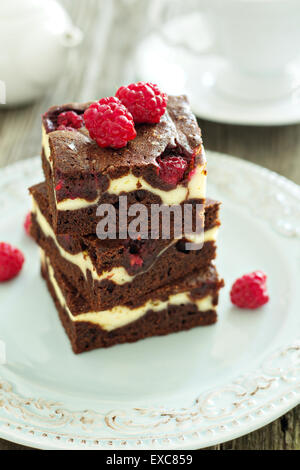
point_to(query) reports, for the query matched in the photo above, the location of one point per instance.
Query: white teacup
(260, 39)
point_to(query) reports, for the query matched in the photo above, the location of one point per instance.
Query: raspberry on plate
(69, 120)
(250, 291)
(11, 261)
(144, 100)
(109, 123)
(27, 223)
(172, 169)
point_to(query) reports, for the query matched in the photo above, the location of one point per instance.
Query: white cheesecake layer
(46, 146)
(121, 315)
(210, 235)
(196, 188)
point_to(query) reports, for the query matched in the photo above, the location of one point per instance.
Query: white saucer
(177, 71)
(184, 391)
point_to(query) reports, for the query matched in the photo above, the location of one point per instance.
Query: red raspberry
(250, 291)
(64, 128)
(27, 223)
(59, 185)
(136, 260)
(144, 100)
(69, 119)
(11, 261)
(109, 123)
(171, 169)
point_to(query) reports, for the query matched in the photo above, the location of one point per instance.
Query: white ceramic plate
(184, 391)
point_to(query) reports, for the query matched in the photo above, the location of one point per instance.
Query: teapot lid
(29, 8)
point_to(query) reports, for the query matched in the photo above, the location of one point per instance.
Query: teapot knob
(72, 37)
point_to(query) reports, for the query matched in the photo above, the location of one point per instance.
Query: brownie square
(114, 272)
(186, 304)
(80, 175)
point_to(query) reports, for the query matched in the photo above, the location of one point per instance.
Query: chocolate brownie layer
(198, 310)
(115, 272)
(81, 176)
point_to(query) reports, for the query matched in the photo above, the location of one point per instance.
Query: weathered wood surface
(276, 148)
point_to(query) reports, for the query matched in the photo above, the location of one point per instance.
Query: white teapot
(35, 41)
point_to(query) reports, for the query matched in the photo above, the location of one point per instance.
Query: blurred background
(238, 61)
(218, 52)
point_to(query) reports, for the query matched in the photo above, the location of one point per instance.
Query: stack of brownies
(111, 291)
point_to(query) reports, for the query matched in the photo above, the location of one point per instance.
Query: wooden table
(276, 148)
